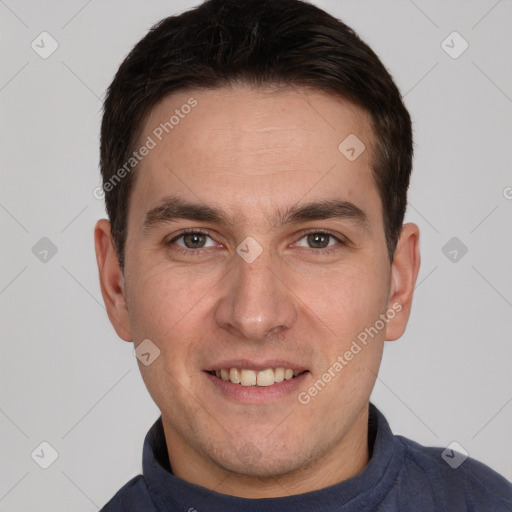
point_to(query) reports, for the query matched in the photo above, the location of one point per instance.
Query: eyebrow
(175, 208)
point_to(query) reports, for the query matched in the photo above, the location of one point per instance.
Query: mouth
(247, 377)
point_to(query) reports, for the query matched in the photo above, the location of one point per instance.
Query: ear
(111, 280)
(404, 271)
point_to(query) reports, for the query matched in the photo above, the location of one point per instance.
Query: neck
(347, 458)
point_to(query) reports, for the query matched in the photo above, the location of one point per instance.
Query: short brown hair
(258, 42)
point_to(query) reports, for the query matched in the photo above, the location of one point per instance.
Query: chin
(261, 470)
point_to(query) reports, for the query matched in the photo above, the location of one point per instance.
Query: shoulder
(471, 485)
(133, 496)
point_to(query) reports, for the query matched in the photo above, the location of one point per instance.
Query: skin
(253, 153)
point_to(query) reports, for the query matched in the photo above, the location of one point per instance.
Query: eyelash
(197, 252)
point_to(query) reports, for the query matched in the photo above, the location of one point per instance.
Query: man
(256, 157)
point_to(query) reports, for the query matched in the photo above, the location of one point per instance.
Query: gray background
(68, 380)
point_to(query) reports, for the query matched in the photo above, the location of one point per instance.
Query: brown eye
(318, 240)
(322, 241)
(194, 240)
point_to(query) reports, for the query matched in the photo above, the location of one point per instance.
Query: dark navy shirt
(401, 475)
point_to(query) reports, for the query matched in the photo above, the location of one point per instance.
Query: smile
(262, 378)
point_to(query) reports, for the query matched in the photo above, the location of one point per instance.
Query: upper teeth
(256, 378)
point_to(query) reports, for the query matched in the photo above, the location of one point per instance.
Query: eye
(318, 240)
(193, 240)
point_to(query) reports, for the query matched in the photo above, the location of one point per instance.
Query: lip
(256, 394)
(257, 366)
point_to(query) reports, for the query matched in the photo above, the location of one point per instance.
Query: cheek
(170, 309)
(162, 297)
(346, 299)
(344, 308)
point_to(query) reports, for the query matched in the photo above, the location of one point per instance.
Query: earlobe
(404, 272)
(111, 280)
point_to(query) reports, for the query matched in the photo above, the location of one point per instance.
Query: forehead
(240, 147)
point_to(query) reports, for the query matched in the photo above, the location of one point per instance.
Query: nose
(256, 303)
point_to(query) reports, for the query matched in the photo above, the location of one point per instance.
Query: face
(256, 252)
